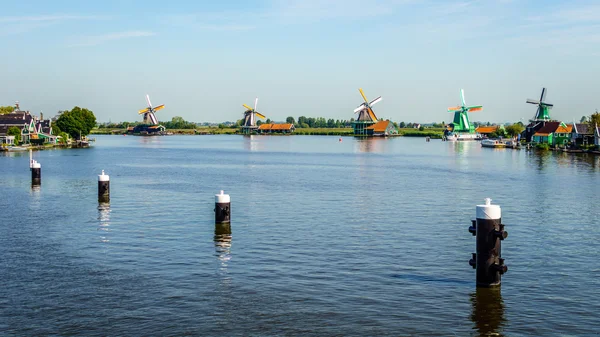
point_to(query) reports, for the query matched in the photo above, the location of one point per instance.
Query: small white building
(7, 140)
(597, 137)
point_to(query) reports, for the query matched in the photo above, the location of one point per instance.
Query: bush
(542, 146)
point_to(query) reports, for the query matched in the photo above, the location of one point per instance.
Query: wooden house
(276, 128)
(545, 135)
(486, 131)
(33, 129)
(382, 128)
(562, 134)
(597, 137)
(582, 134)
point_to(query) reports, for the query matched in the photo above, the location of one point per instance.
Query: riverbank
(407, 132)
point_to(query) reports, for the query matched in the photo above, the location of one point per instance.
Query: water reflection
(223, 254)
(488, 311)
(370, 144)
(251, 143)
(35, 203)
(104, 219)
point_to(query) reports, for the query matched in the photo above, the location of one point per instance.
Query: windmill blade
(360, 108)
(532, 101)
(462, 97)
(255, 103)
(143, 111)
(159, 107)
(475, 108)
(372, 114)
(148, 100)
(375, 101)
(454, 108)
(549, 105)
(247, 107)
(543, 97)
(363, 95)
(260, 115)
(153, 118)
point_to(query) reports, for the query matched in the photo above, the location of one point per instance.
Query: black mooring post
(222, 208)
(489, 233)
(103, 187)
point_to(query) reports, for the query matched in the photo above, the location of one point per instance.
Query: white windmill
(250, 117)
(149, 116)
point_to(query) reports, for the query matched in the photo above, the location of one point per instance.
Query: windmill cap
(103, 177)
(222, 198)
(488, 211)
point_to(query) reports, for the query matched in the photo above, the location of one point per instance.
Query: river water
(358, 237)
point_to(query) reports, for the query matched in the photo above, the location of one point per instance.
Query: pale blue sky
(203, 59)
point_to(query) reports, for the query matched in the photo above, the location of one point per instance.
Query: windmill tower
(461, 123)
(366, 116)
(542, 115)
(249, 124)
(149, 116)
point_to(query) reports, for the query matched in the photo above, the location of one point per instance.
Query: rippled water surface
(359, 237)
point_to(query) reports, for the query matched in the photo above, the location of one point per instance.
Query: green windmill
(542, 114)
(461, 123)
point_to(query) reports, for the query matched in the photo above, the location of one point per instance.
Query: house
(545, 134)
(22, 120)
(276, 128)
(382, 128)
(416, 125)
(562, 134)
(33, 129)
(597, 137)
(582, 134)
(488, 130)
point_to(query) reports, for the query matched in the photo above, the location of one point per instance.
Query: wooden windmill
(366, 116)
(249, 124)
(149, 116)
(542, 113)
(461, 122)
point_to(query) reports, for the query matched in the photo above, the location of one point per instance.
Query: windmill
(149, 116)
(542, 114)
(366, 116)
(365, 110)
(250, 117)
(461, 123)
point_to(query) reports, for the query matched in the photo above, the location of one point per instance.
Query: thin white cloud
(48, 18)
(100, 39)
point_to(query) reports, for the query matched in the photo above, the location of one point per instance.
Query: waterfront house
(582, 134)
(562, 135)
(597, 137)
(22, 120)
(545, 134)
(276, 128)
(486, 131)
(382, 128)
(33, 129)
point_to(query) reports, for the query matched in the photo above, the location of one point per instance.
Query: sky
(204, 59)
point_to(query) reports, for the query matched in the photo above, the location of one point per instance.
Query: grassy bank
(433, 133)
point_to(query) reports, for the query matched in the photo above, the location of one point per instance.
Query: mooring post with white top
(489, 233)
(36, 170)
(222, 208)
(103, 187)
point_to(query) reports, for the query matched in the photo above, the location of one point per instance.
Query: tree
(268, 121)
(77, 122)
(514, 129)
(6, 109)
(64, 137)
(594, 119)
(290, 120)
(14, 131)
(421, 128)
(583, 119)
(402, 125)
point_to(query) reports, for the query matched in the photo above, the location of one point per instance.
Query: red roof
(547, 129)
(285, 126)
(380, 126)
